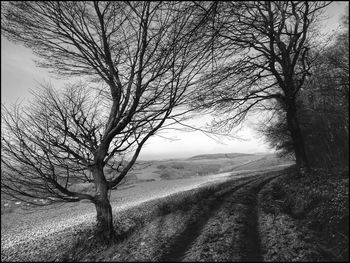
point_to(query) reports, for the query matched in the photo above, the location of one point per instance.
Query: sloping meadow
(140, 231)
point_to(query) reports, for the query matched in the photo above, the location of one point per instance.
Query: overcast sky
(19, 75)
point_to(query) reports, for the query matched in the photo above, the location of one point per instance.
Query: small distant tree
(139, 60)
(266, 61)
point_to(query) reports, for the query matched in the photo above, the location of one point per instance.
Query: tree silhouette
(323, 107)
(264, 65)
(140, 60)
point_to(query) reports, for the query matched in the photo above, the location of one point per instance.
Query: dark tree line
(323, 108)
(266, 63)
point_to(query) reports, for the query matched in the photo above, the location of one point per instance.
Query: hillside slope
(262, 216)
(205, 164)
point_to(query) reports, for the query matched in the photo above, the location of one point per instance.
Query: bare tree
(140, 59)
(266, 60)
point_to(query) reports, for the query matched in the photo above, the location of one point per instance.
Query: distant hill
(218, 155)
(260, 162)
(204, 164)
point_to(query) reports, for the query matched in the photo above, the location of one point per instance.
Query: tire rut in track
(251, 243)
(184, 241)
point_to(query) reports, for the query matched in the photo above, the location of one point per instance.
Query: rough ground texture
(44, 235)
(305, 218)
(218, 223)
(26, 234)
(272, 216)
(163, 230)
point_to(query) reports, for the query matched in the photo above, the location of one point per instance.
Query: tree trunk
(104, 219)
(297, 138)
(103, 207)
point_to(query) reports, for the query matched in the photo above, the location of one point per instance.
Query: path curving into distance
(20, 226)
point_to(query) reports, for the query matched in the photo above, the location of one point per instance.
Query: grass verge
(306, 218)
(230, 234)
(146, 231)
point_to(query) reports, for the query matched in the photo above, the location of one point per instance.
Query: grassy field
(176, 211)
(276, 216)
(263, 216)
(150, 171)
(17, 226)
(76, 241)
(152, 234)
(205, 164)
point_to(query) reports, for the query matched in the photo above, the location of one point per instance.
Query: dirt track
(23, 231)
(229, 232)
(22, 226)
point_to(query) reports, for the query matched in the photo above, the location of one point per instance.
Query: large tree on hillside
(139, 58)
(323, 107)
(266, 62)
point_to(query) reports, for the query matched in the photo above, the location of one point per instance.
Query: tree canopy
(139, 60)
(265, 64)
